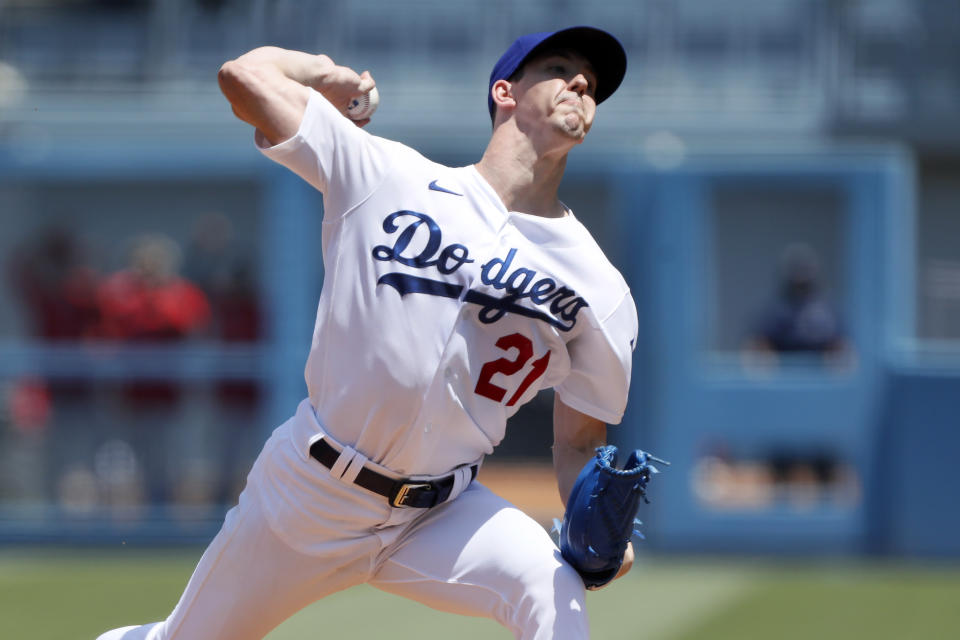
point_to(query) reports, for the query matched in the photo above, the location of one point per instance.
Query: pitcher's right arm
(269, 87)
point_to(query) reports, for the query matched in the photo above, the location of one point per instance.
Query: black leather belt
(404, 492)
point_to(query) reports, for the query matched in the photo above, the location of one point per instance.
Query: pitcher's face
(557, 88)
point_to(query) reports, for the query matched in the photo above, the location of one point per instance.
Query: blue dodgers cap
(604, 52)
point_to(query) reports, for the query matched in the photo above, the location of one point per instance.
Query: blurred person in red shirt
(149, 300)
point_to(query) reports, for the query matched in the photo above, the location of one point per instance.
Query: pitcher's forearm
(575, 439)
(567, 464)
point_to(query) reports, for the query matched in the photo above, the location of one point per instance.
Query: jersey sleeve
(333, 154)
(600, 364)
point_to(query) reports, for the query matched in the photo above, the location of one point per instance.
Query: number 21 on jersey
(510, 367)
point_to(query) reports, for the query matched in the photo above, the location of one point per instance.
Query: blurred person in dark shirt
(800, 320)
(227, 276)
(57, 285)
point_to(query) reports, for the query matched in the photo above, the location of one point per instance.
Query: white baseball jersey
(442, 312)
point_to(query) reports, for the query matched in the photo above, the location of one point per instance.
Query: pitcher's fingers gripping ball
(600, 516)
(362, 107)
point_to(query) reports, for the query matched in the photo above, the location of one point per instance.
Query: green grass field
(76, 594)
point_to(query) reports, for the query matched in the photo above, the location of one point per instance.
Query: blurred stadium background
(778, 180)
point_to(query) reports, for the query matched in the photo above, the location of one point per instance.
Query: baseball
(363, 106)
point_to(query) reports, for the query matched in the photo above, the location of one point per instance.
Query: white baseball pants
(298, 534)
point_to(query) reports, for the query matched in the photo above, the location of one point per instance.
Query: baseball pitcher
(451, 296)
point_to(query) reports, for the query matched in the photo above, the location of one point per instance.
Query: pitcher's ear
(502, 92)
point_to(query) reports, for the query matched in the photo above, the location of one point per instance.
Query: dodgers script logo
(518, 283)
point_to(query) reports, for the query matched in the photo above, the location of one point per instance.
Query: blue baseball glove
(600, 516)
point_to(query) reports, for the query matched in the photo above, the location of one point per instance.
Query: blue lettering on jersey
(517, 283)
(450, 259)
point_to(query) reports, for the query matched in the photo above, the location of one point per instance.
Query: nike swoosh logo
(435, 187)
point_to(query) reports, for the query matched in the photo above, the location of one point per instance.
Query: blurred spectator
(238, 306)
(209, 252)
(149, 300)
(226, 275)
(799, 320)
(57, 284)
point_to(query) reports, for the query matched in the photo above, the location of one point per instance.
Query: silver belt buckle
(399, 500)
